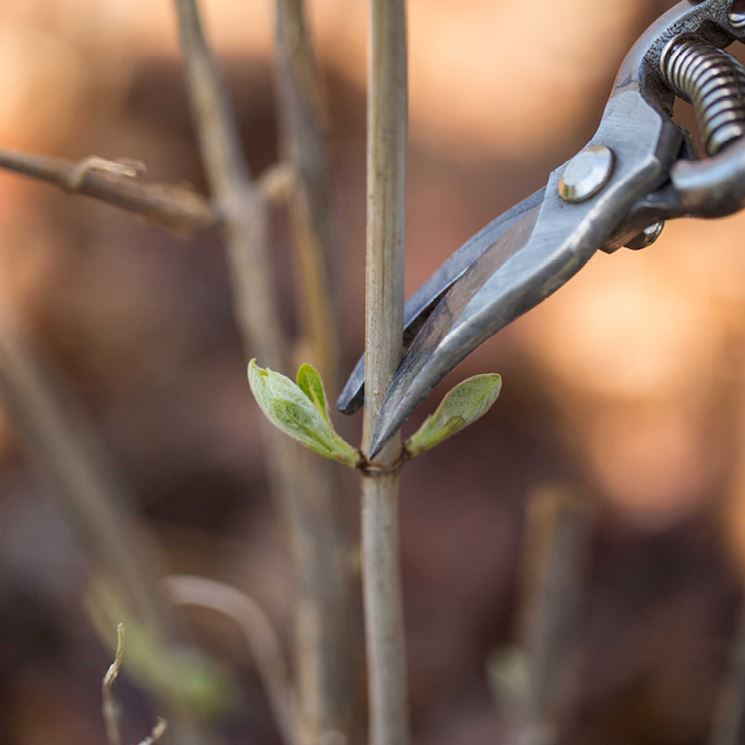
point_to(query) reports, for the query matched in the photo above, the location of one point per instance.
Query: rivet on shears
(586, 174)
(647, 237)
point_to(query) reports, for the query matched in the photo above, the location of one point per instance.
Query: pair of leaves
(301, 411)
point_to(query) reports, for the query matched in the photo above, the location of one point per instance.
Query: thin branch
(110, 708)
(386, 181)
(302, 122)
(729, 722)
(59, 439)
(335, 673)
(161, 725)
(297, 482)
(558, 531)
(87, 489)
(238, 199)
(176, 208)
(277, 183)
(262, 640)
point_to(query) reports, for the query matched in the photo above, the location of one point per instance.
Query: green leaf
(311, 385)
(461, 407)
(299, 414)
(507, 675)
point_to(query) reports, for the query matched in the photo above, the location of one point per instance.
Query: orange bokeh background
(627, 386)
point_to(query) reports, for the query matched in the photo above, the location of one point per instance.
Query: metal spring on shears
(714, 82)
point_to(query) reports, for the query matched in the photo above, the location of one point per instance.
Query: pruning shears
(639, 170)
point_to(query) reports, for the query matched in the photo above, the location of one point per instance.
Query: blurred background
(626, 390)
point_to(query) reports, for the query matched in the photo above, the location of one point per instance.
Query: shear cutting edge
(637, 170)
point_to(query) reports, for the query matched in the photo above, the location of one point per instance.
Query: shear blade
(420, 306)
(488, 296)
(548, 243)
(540, 252)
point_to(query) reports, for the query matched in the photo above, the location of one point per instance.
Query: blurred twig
(729, 722)
(177, 208)
(237, 198)
(386, 202)
(298, 484)
(558, 529)
(110, 707)
(302, 117)
(262, 640)
(58, 438)
(161, 725)
(87, 489)
(334, 673)
(277, 183)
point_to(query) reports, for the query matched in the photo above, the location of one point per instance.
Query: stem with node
(384, 302)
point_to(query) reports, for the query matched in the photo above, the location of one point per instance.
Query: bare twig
(386, 181)
(58, 438)
(110, 707)
(262, 640)
(558, 530)
(172, 207)
(335, 671)
(729, 721)
(298, 484)
(161, 725)
(177, 208)
(237, 198)
(278, 183)
(302, 118)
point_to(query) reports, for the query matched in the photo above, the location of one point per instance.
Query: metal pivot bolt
(586, 174)
(647, 237)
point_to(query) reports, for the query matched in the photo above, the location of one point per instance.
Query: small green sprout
(461, 407)
(310, 383)
(301, 411)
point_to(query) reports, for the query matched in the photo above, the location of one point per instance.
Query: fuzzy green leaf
(461, 407)
(298, 415)
(310, 383)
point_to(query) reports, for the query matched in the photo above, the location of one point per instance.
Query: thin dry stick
(260, 636)
(59, 440)
(238, 199)
(295, 482)
(302, 117)
(334, 673)
(87, 489)
(174, 207)
(110, 707)
(171, 207)
(729, 722)
(386, 181)
(161, 725)
(558, 531)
